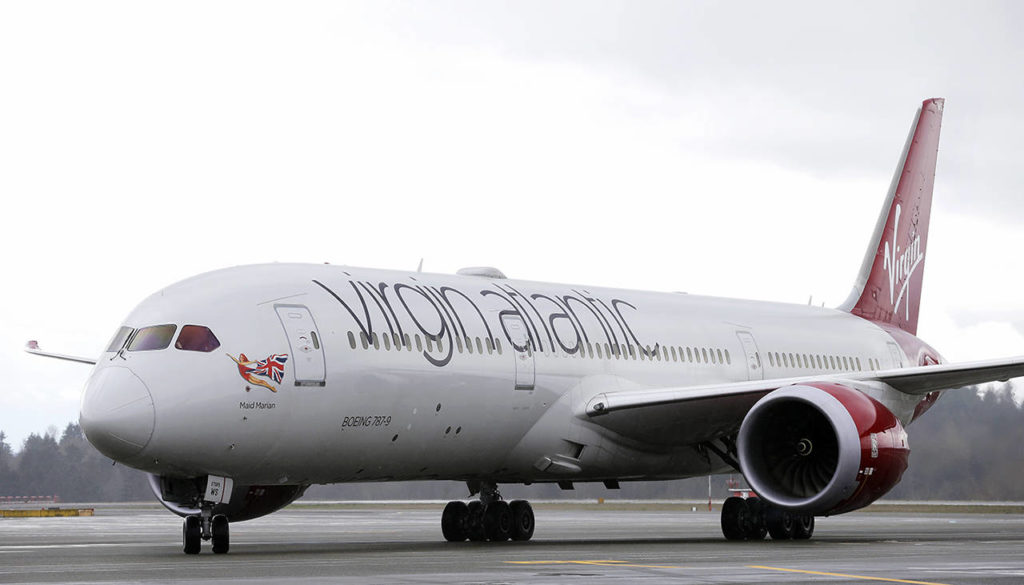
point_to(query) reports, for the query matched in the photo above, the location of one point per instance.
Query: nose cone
(117, 412)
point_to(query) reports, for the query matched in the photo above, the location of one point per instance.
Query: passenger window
(419, 345)
(704, 352)
(352, 339)
(117, 342)
(363, 340)
(689, 355)
(674, 356)
(490, 346)
(771, 360)
(430, 344)
(152, 338)
(497, 345)
(196, 338)
(479, 346)
(728, 359)
(719, 352)
(387, 342)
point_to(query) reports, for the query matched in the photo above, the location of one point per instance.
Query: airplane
(237, 389)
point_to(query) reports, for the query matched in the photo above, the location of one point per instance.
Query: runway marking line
(599, 563)
(865, 577)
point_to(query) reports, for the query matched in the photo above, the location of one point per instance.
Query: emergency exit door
(517, 332)
(755, 371)
(307, 352)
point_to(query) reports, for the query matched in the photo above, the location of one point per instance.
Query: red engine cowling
(821, 448)
(183, 496)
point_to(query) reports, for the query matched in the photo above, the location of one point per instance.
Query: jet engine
(183, 496)
(821, 449)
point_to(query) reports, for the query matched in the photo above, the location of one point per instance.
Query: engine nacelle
(183, 495)
(821, 448)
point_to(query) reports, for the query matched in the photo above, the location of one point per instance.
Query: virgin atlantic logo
(900, 266)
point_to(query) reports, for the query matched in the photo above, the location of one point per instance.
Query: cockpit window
(152, 338)
(196, 338)
(117, 342)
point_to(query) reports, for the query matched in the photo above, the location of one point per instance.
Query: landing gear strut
(488, 519)
(753, 518)
(205, 526)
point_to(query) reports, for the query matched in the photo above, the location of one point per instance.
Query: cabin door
(521, 349)
(307, 351)
(754, 369)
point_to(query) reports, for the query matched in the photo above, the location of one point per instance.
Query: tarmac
(610, 543)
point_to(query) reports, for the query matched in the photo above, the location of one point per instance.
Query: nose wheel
(205, 526)
(488, 519)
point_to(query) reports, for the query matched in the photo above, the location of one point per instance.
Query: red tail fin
(888, 288)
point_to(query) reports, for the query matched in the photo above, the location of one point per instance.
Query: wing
(694, 414)
(32, 347)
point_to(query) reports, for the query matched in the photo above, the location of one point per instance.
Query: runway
(573, 544)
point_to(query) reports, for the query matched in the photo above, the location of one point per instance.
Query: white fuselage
(378, 399)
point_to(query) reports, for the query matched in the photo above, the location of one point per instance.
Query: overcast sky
(727, 148)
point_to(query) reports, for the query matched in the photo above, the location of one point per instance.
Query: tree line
(965, 448)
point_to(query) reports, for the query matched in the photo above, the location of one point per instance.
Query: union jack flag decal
(271, 367)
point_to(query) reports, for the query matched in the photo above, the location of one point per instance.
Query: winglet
(888, 287)
(32, 347)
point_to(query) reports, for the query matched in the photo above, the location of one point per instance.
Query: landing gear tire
(191, 535)
(475, 521)
(453, 521)
(734, 517)
(522, 520)
(754, 525)
(497, 521)
(781, 523)
(803, 527)
(221, 539)
(743, 519)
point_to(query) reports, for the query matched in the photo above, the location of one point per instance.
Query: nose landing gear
(205, 526)
(488, 519)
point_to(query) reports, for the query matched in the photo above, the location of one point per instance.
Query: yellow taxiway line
(865, 577)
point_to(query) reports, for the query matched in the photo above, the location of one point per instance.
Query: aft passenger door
(304, 339)
(525, 370)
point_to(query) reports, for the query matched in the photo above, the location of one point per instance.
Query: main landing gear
(205, 526)
(752, 519)
(488, 519)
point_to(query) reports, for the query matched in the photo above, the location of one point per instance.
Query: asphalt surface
(590, 544)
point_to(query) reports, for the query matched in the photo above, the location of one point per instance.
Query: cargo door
(307, 352)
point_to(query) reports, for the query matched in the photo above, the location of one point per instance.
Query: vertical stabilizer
(888, 287)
